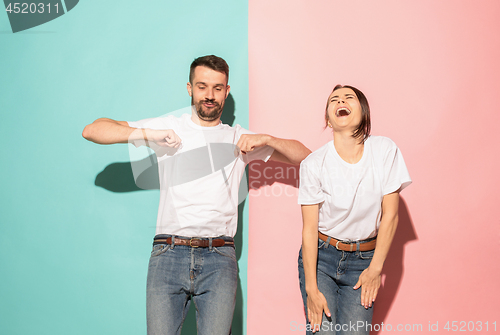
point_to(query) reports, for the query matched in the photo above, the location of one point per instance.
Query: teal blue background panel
(73, 256)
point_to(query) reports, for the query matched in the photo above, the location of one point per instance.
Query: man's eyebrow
(205, 84)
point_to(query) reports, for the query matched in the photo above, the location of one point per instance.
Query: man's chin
(209, 117)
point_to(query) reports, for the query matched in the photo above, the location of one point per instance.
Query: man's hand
(369, 281)
(316, 304)
(164, 138)
(248, 142)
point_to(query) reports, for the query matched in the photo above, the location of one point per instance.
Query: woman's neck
(348, 147)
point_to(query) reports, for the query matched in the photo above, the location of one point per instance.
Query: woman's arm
(316, 301)
(369, 280)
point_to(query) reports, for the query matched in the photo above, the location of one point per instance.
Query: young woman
(349, 192)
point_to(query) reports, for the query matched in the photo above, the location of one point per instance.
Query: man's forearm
(294, 151)
(107, 131)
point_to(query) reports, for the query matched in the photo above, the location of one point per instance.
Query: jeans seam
(160, 252)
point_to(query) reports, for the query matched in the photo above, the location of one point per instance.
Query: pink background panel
(431, 73)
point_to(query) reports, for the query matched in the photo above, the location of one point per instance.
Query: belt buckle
(191, 242)
(337, 246)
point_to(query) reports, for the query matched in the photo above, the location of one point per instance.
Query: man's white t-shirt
(350, 195)
(199, 181)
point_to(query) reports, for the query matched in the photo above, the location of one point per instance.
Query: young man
(201, 162)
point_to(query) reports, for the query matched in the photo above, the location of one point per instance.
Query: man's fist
(164, 138)
(248, 142)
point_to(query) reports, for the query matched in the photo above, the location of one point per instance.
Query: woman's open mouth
(342, 111)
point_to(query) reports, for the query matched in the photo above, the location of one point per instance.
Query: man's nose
(210, 94)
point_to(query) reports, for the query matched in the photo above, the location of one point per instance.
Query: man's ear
(190, 89)
(228, 88)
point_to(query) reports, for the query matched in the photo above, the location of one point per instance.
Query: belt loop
(328, 242)
(172, 241)
(357, 246)
(209, 244)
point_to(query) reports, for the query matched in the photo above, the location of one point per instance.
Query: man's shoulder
(238, 129)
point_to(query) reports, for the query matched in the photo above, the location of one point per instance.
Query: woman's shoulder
(381, 143)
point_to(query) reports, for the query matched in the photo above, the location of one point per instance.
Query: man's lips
(209, 104)
(342, 111)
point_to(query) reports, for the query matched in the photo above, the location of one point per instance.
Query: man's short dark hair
(212, 62)
(363, 130)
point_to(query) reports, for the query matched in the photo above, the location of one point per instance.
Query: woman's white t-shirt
(350, 195)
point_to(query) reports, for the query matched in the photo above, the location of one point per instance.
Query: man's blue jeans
(178, 274)
(337, 273)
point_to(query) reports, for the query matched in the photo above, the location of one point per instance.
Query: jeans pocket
(321, 243)
(159, 249)
(226, 251)
(366, 254)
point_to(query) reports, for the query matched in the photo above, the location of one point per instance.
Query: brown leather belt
(194, 242)
(349, 246)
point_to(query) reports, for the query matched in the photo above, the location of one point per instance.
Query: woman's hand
(316, 304)
(369, 281)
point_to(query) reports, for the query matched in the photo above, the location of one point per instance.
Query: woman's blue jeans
(178, 274)
(338, 272)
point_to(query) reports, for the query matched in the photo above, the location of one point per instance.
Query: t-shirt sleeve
(396, 176)
(261, 153)
(152, 123)
(310, 192)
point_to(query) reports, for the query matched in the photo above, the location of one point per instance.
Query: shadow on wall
(119, 178)
(394, 266)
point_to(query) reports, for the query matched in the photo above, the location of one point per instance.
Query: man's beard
(214, 112)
